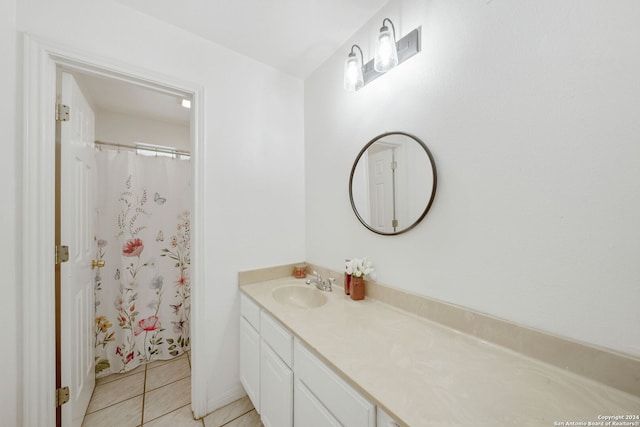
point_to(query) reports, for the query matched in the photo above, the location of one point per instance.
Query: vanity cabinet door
(276, 390)
(250, 361)
(308, 411)
(384, 420)
(344, 403)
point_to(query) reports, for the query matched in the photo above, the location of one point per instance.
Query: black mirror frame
(433, 192)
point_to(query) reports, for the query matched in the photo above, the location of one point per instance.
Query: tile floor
(159, 395)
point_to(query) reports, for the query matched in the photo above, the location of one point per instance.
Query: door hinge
(394, 223)
(62, 396)
(62, 113)
(394, 165)
(62, 254)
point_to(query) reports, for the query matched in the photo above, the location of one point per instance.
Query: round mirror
(392, 183)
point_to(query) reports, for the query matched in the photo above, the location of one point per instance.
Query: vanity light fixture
(389, 54)
(186, 103)
(386, 50)
(353, 78)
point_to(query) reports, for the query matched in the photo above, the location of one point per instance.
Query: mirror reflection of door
(382, 187)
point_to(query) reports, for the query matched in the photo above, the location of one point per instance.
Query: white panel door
(381, 190)
(77, 227)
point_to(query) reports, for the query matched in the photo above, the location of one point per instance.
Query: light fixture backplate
(407, 46)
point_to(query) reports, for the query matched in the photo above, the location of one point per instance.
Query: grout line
(145, 372)
(239, 416)
(172, 382)
(90, 400)
(144, 394)
(168, 362)
(160, 416)
(119, 375)
(114, 403)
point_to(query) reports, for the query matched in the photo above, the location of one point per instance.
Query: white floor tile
(251, 419)
(123, 414)
(157, 363)
(160, 390)
(166, 399)
(116, 391)
(167, 373)
(228, 413)
(114, 377)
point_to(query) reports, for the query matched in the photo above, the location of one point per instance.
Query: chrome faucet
(321, 284)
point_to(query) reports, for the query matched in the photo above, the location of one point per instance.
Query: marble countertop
(425, 374)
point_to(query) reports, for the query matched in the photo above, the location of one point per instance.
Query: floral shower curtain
(143, 292)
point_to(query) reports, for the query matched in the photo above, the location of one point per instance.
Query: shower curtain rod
(147, 147)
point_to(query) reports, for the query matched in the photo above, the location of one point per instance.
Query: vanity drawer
(250, 311)
(278, 338)
(348, 406)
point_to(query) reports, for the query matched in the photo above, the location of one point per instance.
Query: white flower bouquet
(360, 267)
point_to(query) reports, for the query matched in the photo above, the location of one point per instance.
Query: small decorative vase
(347, 284)
(300, 271)
(357, 288)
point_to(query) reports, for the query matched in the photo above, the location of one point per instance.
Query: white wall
(10, 388)
(531, 112)
(253, 148)
(128, 129)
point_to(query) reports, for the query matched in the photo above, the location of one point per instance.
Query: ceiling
(293, 36)
(117, 96)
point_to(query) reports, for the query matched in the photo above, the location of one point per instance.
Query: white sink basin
(299, 296)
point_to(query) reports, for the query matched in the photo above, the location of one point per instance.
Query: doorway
(40, 61)
(118, 308)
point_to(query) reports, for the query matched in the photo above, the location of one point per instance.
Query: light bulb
(353, 79)
(386, 52)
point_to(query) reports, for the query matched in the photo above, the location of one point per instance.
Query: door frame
(40, 58)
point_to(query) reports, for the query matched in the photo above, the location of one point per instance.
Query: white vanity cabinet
(276, 376)
(290, 385)
(250, 349)
(266, 352)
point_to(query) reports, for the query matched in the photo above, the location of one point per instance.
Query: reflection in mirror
(392, 183)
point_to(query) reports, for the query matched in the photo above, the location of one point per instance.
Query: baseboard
(229, 396)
